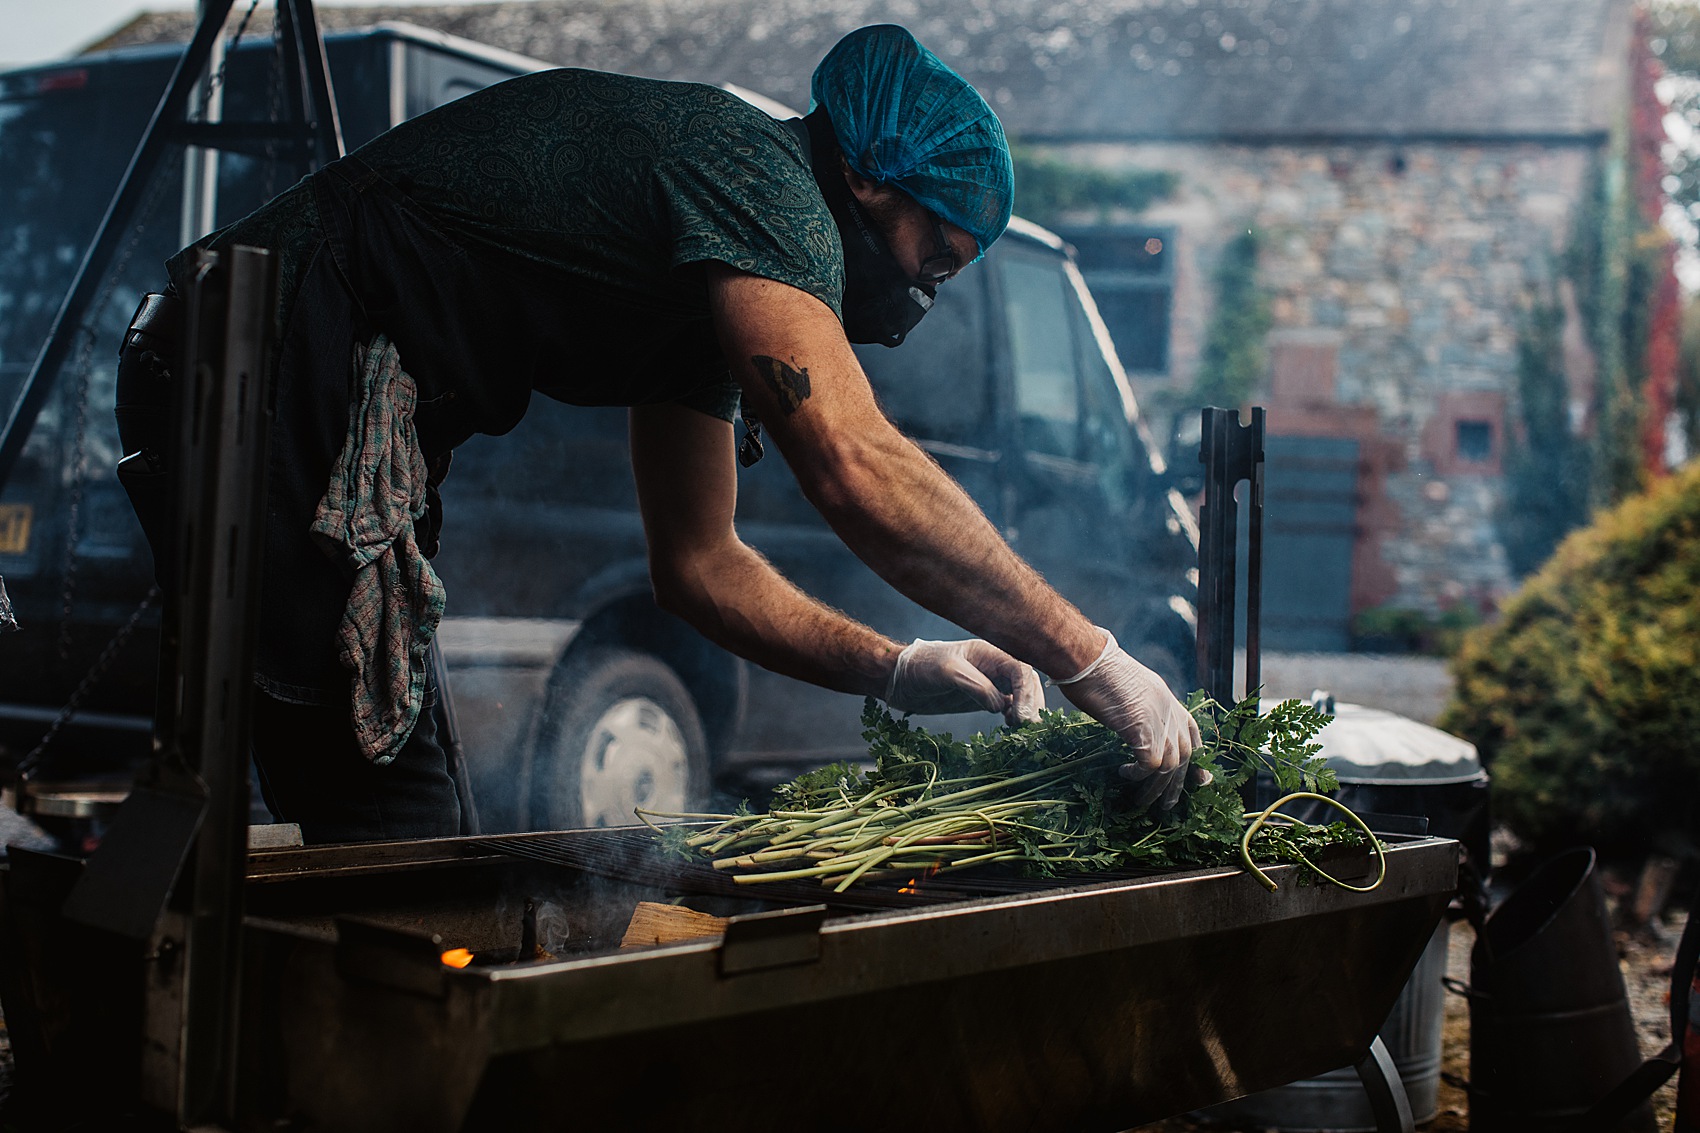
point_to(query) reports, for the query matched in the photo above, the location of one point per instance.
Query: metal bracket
(391, 957)
(1415, 825)
(1230, 452)
(1387, 1098)
(275, 836)
(126, 885)
(778, 939)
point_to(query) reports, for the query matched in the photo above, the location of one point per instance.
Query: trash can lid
(1374, 747)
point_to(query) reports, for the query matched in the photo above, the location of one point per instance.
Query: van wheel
(619, 731)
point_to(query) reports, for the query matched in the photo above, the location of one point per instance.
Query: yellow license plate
(15, 528)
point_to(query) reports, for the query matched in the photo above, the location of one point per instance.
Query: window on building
(1465, 436)
(1474, 443)
(1131, 274)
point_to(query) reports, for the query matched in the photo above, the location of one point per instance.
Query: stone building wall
(1408, 266)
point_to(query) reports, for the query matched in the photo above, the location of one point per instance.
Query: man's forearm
(701, 571)
(736, 599)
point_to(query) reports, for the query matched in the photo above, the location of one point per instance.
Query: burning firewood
(655, 923)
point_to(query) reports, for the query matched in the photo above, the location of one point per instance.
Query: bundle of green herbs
(1042, 797)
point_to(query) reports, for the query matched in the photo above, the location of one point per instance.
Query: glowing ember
(458, 957)
(913, 885)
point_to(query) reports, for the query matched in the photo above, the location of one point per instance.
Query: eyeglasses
(943, 263)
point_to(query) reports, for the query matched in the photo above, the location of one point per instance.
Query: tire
(619, 731)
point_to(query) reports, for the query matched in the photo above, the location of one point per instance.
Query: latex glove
(1124, 695)
(961, 676)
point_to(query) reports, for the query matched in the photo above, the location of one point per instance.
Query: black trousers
(313, 773)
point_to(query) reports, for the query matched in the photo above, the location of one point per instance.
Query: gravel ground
(1647, 960)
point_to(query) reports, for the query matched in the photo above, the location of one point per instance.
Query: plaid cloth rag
(377, 490)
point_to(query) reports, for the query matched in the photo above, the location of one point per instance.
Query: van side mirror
(1185, 478)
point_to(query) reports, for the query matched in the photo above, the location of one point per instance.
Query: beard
(881, 304)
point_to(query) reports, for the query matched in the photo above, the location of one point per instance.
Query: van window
(1047, 384)
(66, 135)
(936, 386)
(438, 77)
(1112, 446)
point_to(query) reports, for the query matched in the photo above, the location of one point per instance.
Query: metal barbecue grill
(176, 975)
(1078, 1007)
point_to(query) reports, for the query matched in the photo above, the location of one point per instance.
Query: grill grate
(631, 856)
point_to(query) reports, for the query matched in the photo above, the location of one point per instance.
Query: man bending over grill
(607, 240)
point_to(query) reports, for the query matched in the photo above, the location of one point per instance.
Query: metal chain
(79, 470)
(84, 371)
(274, 105)
(217, 79)
(28, 765)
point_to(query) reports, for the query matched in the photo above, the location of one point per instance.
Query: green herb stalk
(1043, 797)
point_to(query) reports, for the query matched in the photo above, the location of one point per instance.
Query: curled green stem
(1269, 812)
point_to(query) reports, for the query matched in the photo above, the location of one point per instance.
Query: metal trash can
(1550, 1027)
(1387, 764)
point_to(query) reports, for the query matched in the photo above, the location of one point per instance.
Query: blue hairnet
(903, 117)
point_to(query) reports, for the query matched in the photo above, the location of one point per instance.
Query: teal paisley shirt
(619, 179)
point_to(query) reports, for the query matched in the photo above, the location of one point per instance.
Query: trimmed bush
(1584, 698)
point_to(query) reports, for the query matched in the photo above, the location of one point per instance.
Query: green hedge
(1584, 698)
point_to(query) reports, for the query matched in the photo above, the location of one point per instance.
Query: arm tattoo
(790, 384)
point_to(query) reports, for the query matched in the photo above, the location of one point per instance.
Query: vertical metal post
(1254, 557)
(226, 411)
(1231, 453)
(307, 83)
(1217, 538)
(200, 164)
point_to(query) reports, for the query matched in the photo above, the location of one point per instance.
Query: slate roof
(1116, 69)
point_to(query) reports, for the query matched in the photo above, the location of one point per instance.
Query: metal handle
(1459, 987)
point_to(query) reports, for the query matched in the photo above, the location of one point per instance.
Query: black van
(577, 698)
